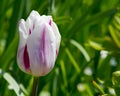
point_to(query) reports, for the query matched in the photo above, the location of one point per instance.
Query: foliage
(89, 53)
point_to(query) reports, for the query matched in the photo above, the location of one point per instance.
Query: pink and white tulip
(38, 44)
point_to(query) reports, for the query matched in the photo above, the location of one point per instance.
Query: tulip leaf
(11, 82)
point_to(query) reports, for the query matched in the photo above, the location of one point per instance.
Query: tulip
(38, 44)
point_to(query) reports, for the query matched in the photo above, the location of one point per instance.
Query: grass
(88, 28)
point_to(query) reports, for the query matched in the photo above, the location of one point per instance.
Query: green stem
(35, 85)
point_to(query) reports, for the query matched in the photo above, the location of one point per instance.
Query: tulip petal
(41, 48)
(22, 42)
(20, 60)
(26, 58)
(57, 36)
(33, 19)
(22, 32)
(46, 18)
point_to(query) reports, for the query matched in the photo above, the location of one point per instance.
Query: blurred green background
(89, 52)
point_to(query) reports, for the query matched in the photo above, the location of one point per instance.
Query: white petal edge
(32, 19)
(23, 33)
(46, 18)
(57, 35)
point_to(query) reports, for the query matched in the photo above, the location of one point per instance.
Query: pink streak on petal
(26, 58)
(33, 26)
(56, 52)
(50, 22)
(42, 47)
(29, 31)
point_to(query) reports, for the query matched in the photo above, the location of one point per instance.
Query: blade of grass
(12, 82)
(16, 14)
(9, 53)
(63, 72)
(114, 35)
(83, 51)
(63, 19)
(75, 64)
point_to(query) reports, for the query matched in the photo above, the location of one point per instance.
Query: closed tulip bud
(38, 44)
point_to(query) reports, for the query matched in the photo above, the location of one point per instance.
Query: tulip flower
(39, 43)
